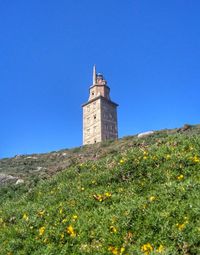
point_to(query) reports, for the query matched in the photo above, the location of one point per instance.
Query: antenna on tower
(94, 74)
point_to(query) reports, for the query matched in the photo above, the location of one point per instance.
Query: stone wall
(100, 90)
(92, 122)
(109, 129)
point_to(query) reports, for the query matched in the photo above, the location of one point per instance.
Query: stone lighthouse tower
(99, 113)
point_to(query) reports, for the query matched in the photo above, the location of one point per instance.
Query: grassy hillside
(132, 196)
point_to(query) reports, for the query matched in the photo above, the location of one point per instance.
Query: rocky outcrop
(19, 181)
(5, 179)
(145, 134)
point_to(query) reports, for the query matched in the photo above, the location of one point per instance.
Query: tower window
(111, 116)
(95, 116)
(95, 141)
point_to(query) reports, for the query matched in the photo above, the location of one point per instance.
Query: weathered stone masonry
(99, 113)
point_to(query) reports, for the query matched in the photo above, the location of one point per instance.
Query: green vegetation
(134, 196)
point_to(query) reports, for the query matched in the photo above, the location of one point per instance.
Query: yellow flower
(113, 249)
(152, 198)
(41, 231)
(70, 231)
(98, 197)
(116, 250)
(25, 217)
(102, 197)
(180, 177)
(82, 188)
(168, 156)
(196, 159)
(113, 229)
(145, 157)
(145, 152)
(182, 226)
(108, 194)
(122, 250)
(61, 210)
(160, 249)
(41, 213)
(147, 248)
(74, 217)
(121, 161)
(64, 220)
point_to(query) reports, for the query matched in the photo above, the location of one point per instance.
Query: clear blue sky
(149, 52)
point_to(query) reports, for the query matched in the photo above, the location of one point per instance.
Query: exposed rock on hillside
(4, 179)
(32, 168)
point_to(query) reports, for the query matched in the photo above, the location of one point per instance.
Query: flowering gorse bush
(141, 200)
